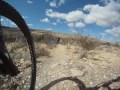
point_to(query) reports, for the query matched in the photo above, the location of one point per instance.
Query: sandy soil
(95, 68)
(69, 68)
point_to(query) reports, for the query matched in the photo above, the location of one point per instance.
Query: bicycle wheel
(8, 11)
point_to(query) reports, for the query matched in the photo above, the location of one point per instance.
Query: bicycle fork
(7, 66)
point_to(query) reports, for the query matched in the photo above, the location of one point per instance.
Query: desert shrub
(87, 43)
(83, 54)
(116, 44)
(42, 52)
(107, 43)
(13, 35)
(15, 46)
(47, 37)
(68, 47)
(35, 37)
(70, 41)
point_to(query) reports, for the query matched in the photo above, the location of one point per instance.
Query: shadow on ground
(81, 85)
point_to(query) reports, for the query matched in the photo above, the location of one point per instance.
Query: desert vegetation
(91, 60)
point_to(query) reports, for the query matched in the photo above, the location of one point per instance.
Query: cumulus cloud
(1, 19)
(59, 21)
(25, 17)
(49, 29)
(53, 3)
(102, 35)
(115, 32)
(74, 31)
(76, 25)
(61, 2)
(105, 1)
(108, 1)
(103, 15)
(54, 23)
(30, 2)
(5, 21)
(74, 16)
(79, 24)
(45, 20)
(13, 24)
(70, 24)
(69, 17)
(56, 3)
(107, 15)
(50, 13)
(30, 25)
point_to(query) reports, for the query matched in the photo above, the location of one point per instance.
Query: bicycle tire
(11, 13)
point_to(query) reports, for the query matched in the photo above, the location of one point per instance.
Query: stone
(103, 88)
(76, 72)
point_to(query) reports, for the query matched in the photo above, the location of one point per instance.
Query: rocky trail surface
(95, 67)
(70, 68)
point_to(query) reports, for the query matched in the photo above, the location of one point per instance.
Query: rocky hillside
(80, 64)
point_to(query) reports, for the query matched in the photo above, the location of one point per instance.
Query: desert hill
(74, 63)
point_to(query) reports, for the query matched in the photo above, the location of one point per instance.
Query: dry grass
(15, 46)
(87, 44)
(116, 44)
(107, 43)
(83, 54)
(42, 52)
(48, 38)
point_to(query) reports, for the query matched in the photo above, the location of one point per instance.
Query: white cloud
(105, 1)
(76, 25)
(50, 13)
(108, 15)
(49, 29)
(2, 20)
(30, 25)
(13, 24)
(53, 3)
(56, 3)
(25, 17)
(102, 34)
(74, 31)
(9, 23)
(61, 2)
(59, 21)
(74, 16)
(70, 24)
(79, 24)
(30, 2)
(103, 15)
(69, 17)
(115, 32)
(108, 1)
(45, 20)
(54, 23)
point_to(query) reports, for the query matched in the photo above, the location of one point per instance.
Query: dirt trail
(57, 67)
(97, 67)
(59, 52)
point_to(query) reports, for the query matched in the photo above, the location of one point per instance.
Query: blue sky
(97, 18)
